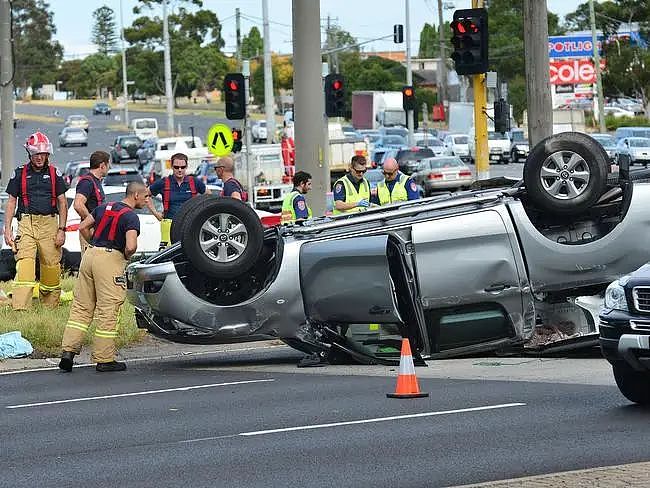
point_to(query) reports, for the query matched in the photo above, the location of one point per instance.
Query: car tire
(215, 219)
(563, 154)
(180, 219)
(634, 385)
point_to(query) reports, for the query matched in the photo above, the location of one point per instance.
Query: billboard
(573, 71)
(580, 46)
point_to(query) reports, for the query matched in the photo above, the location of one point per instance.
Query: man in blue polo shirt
(176, 189)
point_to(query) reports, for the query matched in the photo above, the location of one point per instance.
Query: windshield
(460, 140)
(640, 142)
(145, 124)
(395, 140)
(119, 180)
(605, 140)
(127, 141)
(440, 163)
(496, 136)
(414, 155)
(74, 130)
(518, 136)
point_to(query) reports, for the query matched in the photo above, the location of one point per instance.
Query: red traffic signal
(234, 96)
(233, 85)
(334, 95)
(470, 41)
(337, 84)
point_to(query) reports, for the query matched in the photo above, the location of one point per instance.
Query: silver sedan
(73, 135)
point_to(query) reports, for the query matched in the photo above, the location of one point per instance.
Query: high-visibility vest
(399, 193)
(352, 195)
(288, 211)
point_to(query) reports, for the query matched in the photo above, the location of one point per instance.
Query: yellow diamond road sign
(219, 140)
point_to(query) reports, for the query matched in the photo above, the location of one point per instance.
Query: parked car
(457, 274)
(258, 131)
(82, 168)
(633, 150)
(145, 128)
(146, 152)
(122, 176)
(409, 157)
(395, 131)
(457, 145)
(442, 173)
(125, 147)
(78, 121)
(617, 111)
(622, 132)
(70, 169)
(385, 140)
(519, 147)
(608, 142)
(432, 143)
(632, 105)
(498, 147)
(73, 136)
(101, 108)
(625, 333)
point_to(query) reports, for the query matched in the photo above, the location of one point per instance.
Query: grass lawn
(44, 327)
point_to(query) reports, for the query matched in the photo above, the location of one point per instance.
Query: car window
(395, 140)
(640, 142)
(410, 155)
(76, 130)
(127, 141)
(605, 140)
(496, 136)
(444, 163)
(145, 124)
(460, 140)
(518, 136)
(119, 180)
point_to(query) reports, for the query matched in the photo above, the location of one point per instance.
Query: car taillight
(271, 220)
(435, 176)
(465, 173)
(72, 228)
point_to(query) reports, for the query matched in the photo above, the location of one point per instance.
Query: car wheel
(634, 385)
(223, 237)
(180, 219)
(566, 173)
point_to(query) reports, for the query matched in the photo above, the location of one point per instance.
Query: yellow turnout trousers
(165, 233)
(36, 234)
(99, 292)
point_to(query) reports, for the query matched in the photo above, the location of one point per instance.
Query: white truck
(374, 109)
(145, 128)
(191, 146)
(341, 151)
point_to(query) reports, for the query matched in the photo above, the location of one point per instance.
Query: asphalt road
(213, 421)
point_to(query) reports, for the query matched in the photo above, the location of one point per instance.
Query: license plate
(494, 157)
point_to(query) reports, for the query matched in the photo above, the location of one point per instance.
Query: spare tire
(223, 237)
(566, 173)
(180, 219)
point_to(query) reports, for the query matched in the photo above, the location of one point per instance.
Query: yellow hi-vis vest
(398, 194)
(351, 194)
(288, 212)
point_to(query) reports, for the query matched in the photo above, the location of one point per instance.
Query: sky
(362, 18)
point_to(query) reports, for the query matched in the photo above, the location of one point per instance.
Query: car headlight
(615, 295)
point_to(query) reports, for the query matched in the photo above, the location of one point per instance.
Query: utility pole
(238, 34)
(250, 182)
(540, 107)
(6, 93)
(309, 100)
(480, 119)
(268, 76)
(329, 44)
(599, 76)
(169, 94)
(409, 74)
(125, 86)
(442, 87)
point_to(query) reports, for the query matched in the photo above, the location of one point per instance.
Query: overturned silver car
(459, 273)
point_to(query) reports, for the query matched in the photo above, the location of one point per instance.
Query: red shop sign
(573, 72)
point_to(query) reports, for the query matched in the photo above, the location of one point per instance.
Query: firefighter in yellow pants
(112, 230)
(37, 190)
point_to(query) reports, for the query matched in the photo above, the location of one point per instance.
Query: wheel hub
(565, 175)
(223, 238)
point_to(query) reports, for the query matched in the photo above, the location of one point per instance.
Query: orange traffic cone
(407, 383)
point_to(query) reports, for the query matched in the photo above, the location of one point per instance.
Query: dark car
(101, 108)
(408, 159)
(122, 176)
(625, 333)
(125, 148)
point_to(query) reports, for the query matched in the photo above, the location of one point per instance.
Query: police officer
(38, 189)
(294, 206)
(112, 230)
(352, 191)
(90, 192)
(396, 187)
(232, 188)
(176, 189)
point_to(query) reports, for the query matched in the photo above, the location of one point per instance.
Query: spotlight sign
(574, 72)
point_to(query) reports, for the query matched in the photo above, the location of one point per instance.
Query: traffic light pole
(480, 120)
(248, 137)
(409, 75)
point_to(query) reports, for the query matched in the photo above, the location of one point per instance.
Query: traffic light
(334, 95)
(408, 98)
(470, 41)
(398, 33)
(235, 96)
(237, 140)
(501, 116)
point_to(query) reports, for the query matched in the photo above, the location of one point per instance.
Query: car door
(472, 282)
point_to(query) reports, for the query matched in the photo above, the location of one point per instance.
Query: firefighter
(112, 230)
(352, 191)
(294, 206)
(288, 148)
(90, 192)
(176, 189)
(38, 190)
(396, 187)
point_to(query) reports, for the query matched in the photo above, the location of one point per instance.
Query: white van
(145, 128)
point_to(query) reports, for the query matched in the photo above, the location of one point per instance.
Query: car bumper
(624, 337)
(444, 185)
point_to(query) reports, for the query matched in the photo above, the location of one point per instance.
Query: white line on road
(356, 422)
(137, 393)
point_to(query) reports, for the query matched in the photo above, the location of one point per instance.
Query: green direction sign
(219, 140)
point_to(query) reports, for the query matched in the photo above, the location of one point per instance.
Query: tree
(252, 45)
(627, 71)
(97, 71)
(37, 55)
(428, 42)
(103, 33)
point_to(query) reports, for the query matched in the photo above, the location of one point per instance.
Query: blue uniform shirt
(411, 189)
(39, 190)
(128, 221)
(178, 194)
(230, 186)
(87, 189)
(300, 207)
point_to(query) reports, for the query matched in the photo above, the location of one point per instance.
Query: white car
(258, 131)
(457, 145)
(79, 121)
(617, 112)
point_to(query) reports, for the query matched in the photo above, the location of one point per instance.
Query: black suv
(625, 333)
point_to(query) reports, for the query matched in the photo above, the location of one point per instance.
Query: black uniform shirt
(39, 190)
(87, 189)
(128, 221)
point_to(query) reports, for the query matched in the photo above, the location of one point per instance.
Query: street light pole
(169, 94)
(6, 93)
(409, 74)
(124, 76)
(268, 76)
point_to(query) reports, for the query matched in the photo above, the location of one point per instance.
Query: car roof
(122, 169)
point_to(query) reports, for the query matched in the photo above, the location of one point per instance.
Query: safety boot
(112, 366)
(66, 361)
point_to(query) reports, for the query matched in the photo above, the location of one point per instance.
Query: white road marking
(138, 360)
(356, 422)
(137, 393)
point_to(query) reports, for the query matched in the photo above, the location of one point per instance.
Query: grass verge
(45, 119)
(44, 327)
